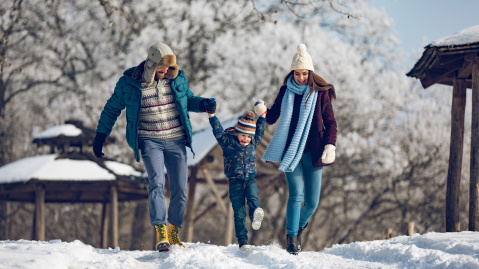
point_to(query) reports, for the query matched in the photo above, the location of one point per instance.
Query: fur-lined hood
(172, 72)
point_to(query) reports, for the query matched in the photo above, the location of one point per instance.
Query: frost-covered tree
(56, 58)
(61, 60)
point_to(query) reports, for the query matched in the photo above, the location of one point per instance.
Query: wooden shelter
(73, 177)
(454, 61)
(71, 141)
(65, 137)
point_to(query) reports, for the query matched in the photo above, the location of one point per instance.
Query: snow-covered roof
(446, 58)
(467, 36)
(64, 129)
(204, 140)
(48, 167)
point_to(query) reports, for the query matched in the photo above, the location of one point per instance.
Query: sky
(421, 22)
(431, 250)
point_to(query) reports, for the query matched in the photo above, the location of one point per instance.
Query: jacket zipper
(137, 150)
(245, 163)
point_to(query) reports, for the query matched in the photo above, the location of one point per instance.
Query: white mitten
(259, 107)
(329, 154)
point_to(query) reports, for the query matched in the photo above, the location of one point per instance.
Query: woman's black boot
(300, 231)
(292, 244)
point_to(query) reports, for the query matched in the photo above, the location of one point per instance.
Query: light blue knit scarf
(292, 156)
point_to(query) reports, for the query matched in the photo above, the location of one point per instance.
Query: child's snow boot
(257, 218)
(173, 235)
(162, 235)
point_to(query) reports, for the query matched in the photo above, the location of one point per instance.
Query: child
(239, 147)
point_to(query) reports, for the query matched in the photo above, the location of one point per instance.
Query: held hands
(208, 105)
(260, 108)
(329, 154)
(98, 144)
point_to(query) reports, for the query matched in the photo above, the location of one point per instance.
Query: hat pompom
(249, 115)
(246, 124)
(302, 48)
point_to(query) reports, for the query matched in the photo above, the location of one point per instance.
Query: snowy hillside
(432, 250)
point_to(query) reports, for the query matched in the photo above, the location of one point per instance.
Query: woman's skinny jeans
(309, 188)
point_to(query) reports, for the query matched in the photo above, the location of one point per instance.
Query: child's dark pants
(240, 190)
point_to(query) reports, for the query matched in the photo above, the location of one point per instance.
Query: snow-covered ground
(431, 250)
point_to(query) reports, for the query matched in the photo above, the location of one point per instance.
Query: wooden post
(474, 173)
(216, 193)
(190, 212)
(229, 225)
(140, 226)
(389, 233)
(4, 220)
(477, 218)
(104, 225)
(455, 154)
(114, 215)
(410, 228)
(39, 213)
(154, 237)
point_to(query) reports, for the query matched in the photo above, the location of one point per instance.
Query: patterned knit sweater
(159, 117)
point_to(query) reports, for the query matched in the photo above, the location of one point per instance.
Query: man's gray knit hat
(160, 54)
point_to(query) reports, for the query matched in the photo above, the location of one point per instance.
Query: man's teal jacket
(128, 95)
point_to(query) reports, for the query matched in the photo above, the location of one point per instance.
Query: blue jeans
(305, 179)
(156, 156)
(240, 190)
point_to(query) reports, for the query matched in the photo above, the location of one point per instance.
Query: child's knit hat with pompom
(246, 124)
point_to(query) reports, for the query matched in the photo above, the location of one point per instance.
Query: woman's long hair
(316, 83)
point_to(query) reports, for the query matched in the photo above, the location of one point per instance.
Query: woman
(304, 140)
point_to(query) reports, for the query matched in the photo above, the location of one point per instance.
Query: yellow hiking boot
(163, 243)
(173, 235)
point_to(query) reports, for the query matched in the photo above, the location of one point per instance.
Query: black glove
(208, 105)
(98, 144)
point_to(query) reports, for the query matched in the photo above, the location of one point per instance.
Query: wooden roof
(74, 191)
(442, 64)
(70, 188)
(73, 188)
(85, 137)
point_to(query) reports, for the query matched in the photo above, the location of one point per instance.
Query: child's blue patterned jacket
(239, 161)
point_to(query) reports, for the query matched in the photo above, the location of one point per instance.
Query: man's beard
(160, 75)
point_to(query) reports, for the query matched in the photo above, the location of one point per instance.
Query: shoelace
(161, 229)
(174, 234)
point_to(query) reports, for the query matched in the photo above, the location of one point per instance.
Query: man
(157, 100)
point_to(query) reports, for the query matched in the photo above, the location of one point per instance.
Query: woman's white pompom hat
(302, 59)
